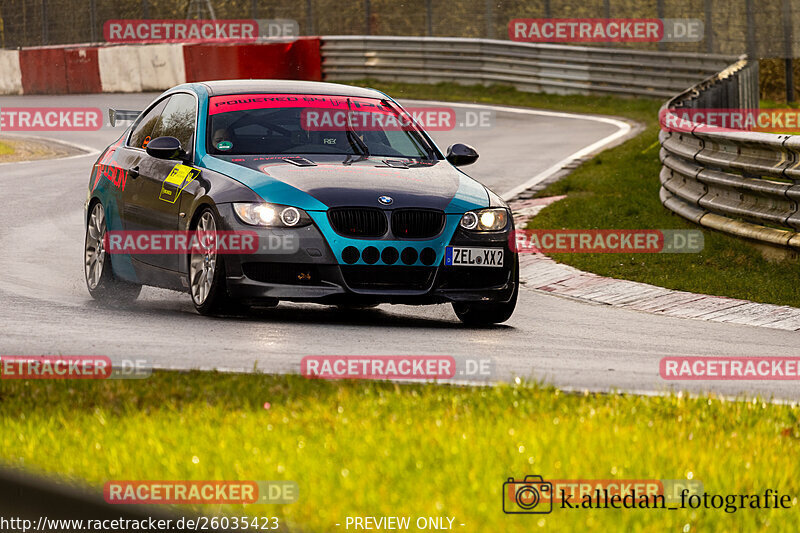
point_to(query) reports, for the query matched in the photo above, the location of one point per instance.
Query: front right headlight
(271, 215)
(492, 219)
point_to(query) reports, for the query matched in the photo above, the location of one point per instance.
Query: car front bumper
(298, 265)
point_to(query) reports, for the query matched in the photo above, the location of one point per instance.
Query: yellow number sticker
(180, 177)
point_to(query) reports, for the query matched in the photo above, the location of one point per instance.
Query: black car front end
(298, 264)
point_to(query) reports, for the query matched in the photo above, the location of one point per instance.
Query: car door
(161, 182)
(134, 209)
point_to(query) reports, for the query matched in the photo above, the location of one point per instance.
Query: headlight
(494, 219)
(272, 215)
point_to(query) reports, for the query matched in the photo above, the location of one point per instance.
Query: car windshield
(262, 124)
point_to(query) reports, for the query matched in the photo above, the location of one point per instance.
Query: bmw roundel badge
(385, 200)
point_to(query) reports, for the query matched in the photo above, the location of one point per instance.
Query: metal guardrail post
(429, 16)
(367, 15)
(489, 10)
(310, 17)
(44, 22)
(788, 49)
(708, 32)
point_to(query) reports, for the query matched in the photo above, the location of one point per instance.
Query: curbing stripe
(540, 272)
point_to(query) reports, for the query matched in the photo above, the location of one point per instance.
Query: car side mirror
(165, 148)
(461, 154)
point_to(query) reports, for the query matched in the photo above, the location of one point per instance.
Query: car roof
(226, 87)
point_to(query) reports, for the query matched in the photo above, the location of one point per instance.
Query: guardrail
(743, 183)
(531, 67)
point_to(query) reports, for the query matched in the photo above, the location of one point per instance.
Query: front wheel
(97, 264)
(487, 313)
(207, 270)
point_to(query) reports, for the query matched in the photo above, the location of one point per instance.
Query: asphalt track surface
(45, 308)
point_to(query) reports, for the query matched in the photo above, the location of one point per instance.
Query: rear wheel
(487, 313)
(207, 270)
(97, 264)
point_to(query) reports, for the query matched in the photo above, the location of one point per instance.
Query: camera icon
(532, 495)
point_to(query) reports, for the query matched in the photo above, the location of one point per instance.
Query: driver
(221, 140)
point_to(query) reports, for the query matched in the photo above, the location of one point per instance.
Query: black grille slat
(417, 223)
(358, 221)
(282, 273)
(374, 277)
(474, 278)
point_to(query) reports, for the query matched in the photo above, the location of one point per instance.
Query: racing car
(348, 200)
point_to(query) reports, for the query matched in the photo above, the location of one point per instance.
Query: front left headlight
(493, 219)
(271, 215)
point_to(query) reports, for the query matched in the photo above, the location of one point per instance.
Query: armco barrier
(533, 67)
(743, 183)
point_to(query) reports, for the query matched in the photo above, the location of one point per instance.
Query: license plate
(485, 257)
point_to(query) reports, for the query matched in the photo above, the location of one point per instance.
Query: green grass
(619, 190)
(373, 449)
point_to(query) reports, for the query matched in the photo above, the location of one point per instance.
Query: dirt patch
(13, 150)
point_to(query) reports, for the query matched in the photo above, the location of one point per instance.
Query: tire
(97, 264)
(488, 313)
(207, 273)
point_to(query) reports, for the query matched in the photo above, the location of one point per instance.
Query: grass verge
(375, 449)
(618, 189)
(5, 149)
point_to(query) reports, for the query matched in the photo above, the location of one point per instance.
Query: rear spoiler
(121, 114)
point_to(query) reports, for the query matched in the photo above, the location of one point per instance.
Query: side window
(178, 120)
(143, 131)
